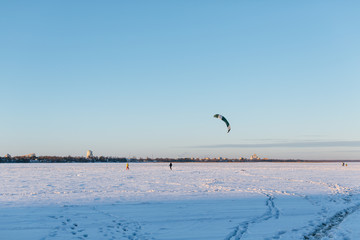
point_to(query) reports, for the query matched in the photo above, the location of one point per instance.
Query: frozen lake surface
(227, 201)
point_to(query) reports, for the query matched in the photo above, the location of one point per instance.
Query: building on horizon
(89, 154)
(254, 157)
(30, 155)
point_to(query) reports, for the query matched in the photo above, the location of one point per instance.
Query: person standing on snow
(170, 165)
(127, 166)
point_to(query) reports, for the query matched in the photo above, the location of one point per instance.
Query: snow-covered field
(194, 201)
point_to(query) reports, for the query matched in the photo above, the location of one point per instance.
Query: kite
(224, 119)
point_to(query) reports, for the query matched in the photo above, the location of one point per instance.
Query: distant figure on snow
(170, 165)
(127, 166)
(343, 164)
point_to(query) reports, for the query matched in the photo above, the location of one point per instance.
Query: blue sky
(144, 78)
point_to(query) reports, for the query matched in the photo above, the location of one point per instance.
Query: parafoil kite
(224, 119)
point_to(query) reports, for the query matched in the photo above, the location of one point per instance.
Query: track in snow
(272, 212)
(74, 223)
(324, 228)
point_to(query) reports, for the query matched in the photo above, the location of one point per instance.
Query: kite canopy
(224, 119)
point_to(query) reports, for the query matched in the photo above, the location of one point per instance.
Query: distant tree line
(71, 159)
(57, 159)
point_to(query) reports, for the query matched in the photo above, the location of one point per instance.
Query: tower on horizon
(89, 154)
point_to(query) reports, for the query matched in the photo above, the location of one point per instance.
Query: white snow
(194, 201)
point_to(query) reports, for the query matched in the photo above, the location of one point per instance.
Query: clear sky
(144, 78)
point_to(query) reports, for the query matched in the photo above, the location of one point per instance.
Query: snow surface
(194, 201)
